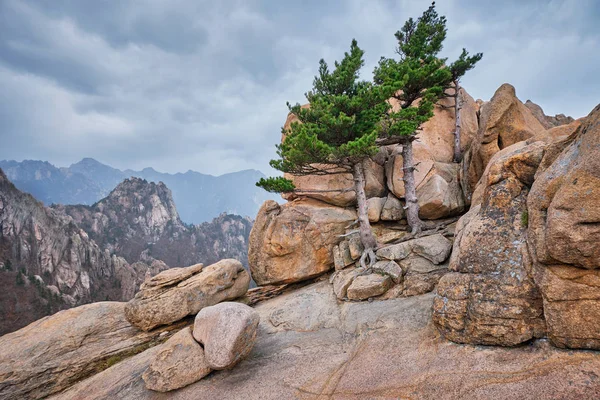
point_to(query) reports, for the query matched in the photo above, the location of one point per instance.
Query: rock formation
(309, 345)
(179, 292)
(53, 263)
(564, 236)
(138, 220)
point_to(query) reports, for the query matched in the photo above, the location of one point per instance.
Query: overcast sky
(202, 85)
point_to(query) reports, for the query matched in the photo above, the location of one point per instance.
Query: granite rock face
(564, 236)
(503, 121)
(489, 297)
(177, 293)
(179, 362)
(54, 352)
(295, 241)
(310, 345)
(227, 331)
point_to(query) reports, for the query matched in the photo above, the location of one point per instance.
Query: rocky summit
(498, 297)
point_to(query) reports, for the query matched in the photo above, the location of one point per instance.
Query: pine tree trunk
(457, 108)
(410, 189)
(366, 235)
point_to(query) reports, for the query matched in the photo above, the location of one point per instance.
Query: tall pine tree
(418, 78)
(335, 134)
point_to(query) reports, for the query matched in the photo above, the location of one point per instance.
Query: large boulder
(227, 331)
(564, 237)
(54, 352)
(504, 121)
(179, 362)
(294, 242)
(489, 297)
(177, 293)
(440, 194)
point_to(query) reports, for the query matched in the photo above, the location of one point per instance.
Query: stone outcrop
(503, 121)
(71, 268)
(227, 331)
(294, 241)
(564, 236)
(138, 221)
(489, 297)
(179, 362)
(54, 352)
(548, 122)
(177, 293)
(310, 345)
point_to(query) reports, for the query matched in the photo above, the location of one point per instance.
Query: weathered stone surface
(294, 242)
(179, 294)
(366, 286)
(374, 207)
(564, 236)
(436, 248)
(490, 298)
(420, 265)
(342, 280)
(394, 172)
(547, 121)
(504, 121)
(392, 210)
(228, 333)
(310, 346)
(341, 255)
(389, 268)
(179, 362)
(54, 352)
(440, 194)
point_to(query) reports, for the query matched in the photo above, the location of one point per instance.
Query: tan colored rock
(342, 280)
(341, 255)
(380, 350)
(547, 121)
(54, 352)
(374, 207)
(179, 362)
(490, 298)
(392, 210)
(389, 268)
(422, 154)
(419, 265)
(563, 236)
(440, 194)
(504, 121)
(228, 333)
(366, 286)
(436, 248)
(295, 241)
(171, 301)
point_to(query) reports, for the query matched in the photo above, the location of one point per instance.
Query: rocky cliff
(138, 220)
(88, 181)
(60, 257)
(49, 263)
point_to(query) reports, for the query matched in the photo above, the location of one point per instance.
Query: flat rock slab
(54, 352)
(310, 346)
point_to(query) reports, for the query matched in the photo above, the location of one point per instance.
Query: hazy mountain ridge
(199, 197)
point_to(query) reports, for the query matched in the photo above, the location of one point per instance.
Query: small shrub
(8, 265)
(20, 281)
(525, 218)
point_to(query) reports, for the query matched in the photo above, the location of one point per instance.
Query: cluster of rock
(54, 352)
(408, 268)
(526, 259)
(221, 337)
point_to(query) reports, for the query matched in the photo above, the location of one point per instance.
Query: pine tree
(336, 133)
(458, 69)
(418, 80)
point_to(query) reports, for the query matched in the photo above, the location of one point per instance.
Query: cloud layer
(202, 85)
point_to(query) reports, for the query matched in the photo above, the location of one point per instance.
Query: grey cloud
(202, 85)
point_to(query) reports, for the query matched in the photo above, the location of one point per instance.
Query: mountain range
(199, 197)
